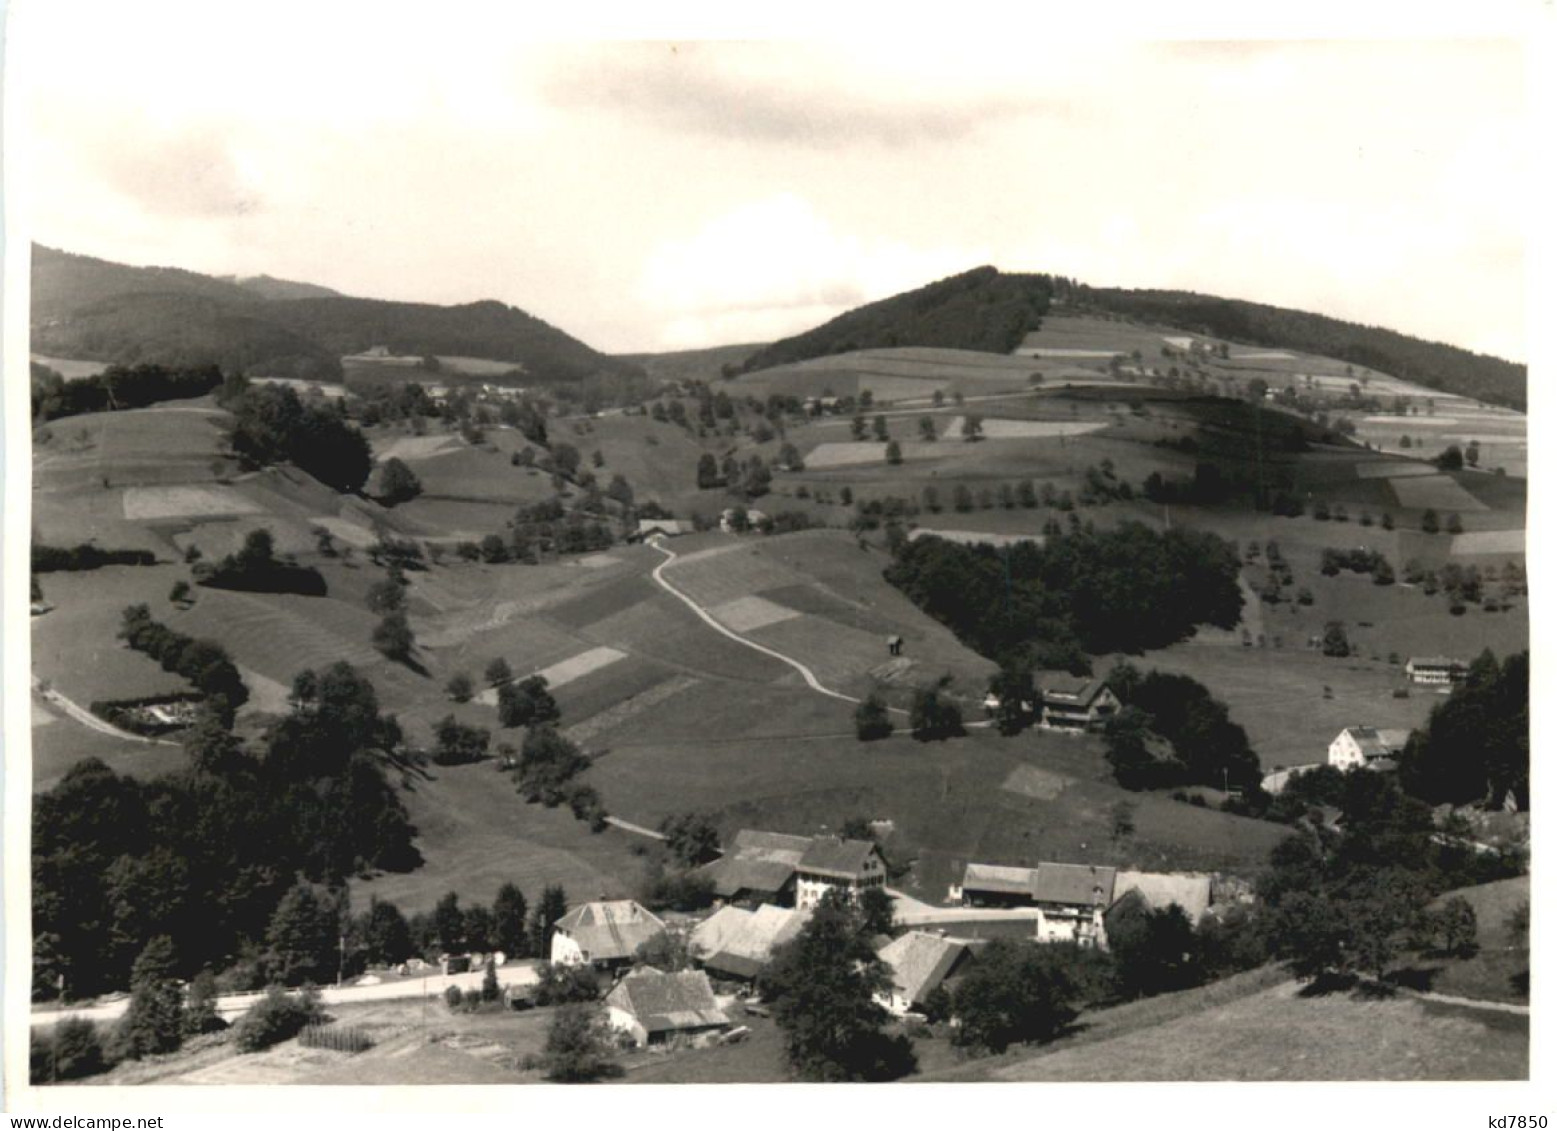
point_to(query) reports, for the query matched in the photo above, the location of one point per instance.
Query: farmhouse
(758, 867)
(652, 1007)
(735, 944)
(605, 933)
(832, 862)
(1069, 898)
(920, 962)
(1367, 746)
(1074, 703)
(1441, 671)
(763, 867)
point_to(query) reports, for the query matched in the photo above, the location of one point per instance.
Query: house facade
(1367, 746)
(605, 934)
(833, 862)
(1069, 899)
(654, 1008)
(1436, 671)
(1074, 704)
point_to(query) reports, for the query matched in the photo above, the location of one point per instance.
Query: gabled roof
(1072, 884)
(740, 942)
(664, 1003)
(920, 962)
(735, 874)
(610, 929)
(834, 856)
(1377, 743)
(1161, 889)
(769, 846)
(1064, 689)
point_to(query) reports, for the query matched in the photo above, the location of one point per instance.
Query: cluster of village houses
(767, 887)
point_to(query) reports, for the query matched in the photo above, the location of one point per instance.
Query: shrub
(275, 1018)
(73, 1050)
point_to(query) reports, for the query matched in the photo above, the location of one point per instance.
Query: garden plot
(1039, 784)
(1027, 429)
(746, 613)
(152, 503)
(1489, 542)
(1263, 355)
(1400, 470)
(1036, 351)
(1437, 491)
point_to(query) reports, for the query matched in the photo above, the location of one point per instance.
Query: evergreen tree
(302, 940)
(397, 483)
(154, 1021)
(553, 905)
(509, 912)
(386, 934)
(449, 923)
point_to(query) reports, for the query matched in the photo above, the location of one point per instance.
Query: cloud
(780, 93)
(773, 267)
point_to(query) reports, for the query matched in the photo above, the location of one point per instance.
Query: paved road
(233, 1005)
(88, 719)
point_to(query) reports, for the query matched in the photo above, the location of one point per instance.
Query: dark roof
(772, 846)
(1064, 689)
(666, 1002)
(734, 874)
(1071, 884)
(834, 856)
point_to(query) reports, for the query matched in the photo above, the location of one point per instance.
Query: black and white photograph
(994, 560)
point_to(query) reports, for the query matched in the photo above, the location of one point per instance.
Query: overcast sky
(647, 196)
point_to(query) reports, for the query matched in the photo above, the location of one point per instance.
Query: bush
(453, 998)
(275, 1018)
(72, 1050)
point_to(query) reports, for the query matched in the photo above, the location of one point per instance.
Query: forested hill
(96, 310)
(1434, 364)
(981, 309)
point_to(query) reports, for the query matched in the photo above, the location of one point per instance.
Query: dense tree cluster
(1204, 745)
(1126, 589)
(117, 387)
(272, 424)
(526, 702)
(255, 568)
(49, 559)
(397, 483)
(1476, 744)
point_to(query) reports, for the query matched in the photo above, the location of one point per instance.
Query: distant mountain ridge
(983, 309)
(102, 311)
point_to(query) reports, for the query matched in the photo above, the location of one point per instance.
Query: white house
(605, 933)
(1367, 746)
(1440, 671)
(653, 1007)
(833, 862)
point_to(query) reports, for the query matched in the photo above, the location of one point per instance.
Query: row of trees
(204, 663)
(117, 387)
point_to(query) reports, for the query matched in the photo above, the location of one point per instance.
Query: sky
(668, 194)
